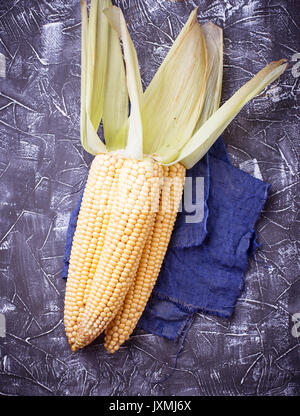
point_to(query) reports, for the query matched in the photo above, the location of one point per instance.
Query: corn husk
(134, 146)
(116, 106)
(92, 89)
(209, 132)
(177, 118)
(174, 98)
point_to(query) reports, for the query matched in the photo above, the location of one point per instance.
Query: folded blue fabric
(205, 263)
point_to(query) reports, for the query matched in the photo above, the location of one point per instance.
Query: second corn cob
(153, 254)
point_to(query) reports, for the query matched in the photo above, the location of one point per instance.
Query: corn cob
(135, 192)
(128, 212)
(154, 251)
(83, 247)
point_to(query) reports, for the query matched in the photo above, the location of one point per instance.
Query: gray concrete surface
(42, 171)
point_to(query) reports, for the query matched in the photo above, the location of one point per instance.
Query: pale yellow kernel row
(83, 247)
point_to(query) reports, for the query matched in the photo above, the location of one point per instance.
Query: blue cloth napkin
(206, 261)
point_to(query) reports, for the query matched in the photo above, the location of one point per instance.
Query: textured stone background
(42, 171)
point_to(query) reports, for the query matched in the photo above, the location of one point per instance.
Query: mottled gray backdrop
(42, 171)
